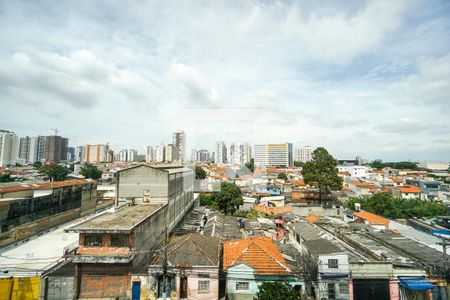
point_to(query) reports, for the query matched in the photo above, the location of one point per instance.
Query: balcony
(107, 255)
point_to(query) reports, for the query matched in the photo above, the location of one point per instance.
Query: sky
(368, 78)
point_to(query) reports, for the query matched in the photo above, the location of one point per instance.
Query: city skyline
(361, 78)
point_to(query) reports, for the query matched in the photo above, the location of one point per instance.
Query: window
(119, 240)
(343, 288)
(203, 286)
(331, 291)
(333, 263)
(93, 240)
(242, 286)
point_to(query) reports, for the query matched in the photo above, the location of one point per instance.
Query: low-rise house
(192, 268)
(409, 191)
(371, 219)
(251, 261)
(360, 188)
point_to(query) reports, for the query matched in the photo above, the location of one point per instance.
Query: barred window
(343, 288)
(333, 263)
(242, 286)
(119, 240)
(203, 286)
(93, 240)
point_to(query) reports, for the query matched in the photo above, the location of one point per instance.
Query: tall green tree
(54, 172)
(251, 165)
(321, 172)
(299, 163)
(199, 173)
(282, 176)
(90, 171)
(6, 177)
(228, 198)
(277, 291)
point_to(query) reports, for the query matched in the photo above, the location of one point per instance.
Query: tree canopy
(386, 205)
(6, 177)
(228, 198)
(299, 163)
(54, 172)
(321, 172)
(251, 165)
(277, 291)
(90, 171)
(282, 176)
(199, 173)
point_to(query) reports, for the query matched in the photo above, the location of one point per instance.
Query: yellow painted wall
(22, 288)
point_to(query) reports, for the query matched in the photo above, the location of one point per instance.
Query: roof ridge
(201, 250)
(278, 262)
(180, 244)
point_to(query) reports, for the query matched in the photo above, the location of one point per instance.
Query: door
(136, 290)
(376, 289)
(183, 287)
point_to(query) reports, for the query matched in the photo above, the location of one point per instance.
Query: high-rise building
(306, 154)
(149, 154)
(70, 154)
(92, 153)
(239, 153)
(220, 153)
(37, 149)
(109, 155)
(128, 155)
(179, 142)
(170, 153)
(24, 149)
(56, 148)
(193, 155)
(274, 155)
(160, 153)
(203, 155)
(9, 148)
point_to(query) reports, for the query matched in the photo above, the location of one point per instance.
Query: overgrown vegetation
(384, 204)
(282, 176)
(54, 172)
(396, 165)
(321, 172)
(227, 200)
(199, 173)
(277, 291)
(251, 165)
(252, 214)
(299, 163)
(90, 171)
(6, 177)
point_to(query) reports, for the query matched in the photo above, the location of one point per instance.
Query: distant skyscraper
(160, 153)
(274, 155)
(149, 154)
(193, 155)
(70, 154)
(170, 153)
(24, 149)
(9, 148)
(239, 153)
(179, 142)
(221, 153)
(203, 155)
(306, 154)
(56, 148)
(128, 155)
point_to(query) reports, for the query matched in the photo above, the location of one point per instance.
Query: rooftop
(409, 189)
(371, 218)
(124, 219)
(261, 253)
(43, 186)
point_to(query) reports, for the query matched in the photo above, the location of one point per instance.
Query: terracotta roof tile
(409, 189)
(258, 252)
(312, 218)
(371, 218)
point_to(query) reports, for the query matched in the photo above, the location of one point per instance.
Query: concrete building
(435, 165)
(33, 208)
(220, 157)
(70, 154)
(56, 148)
(9, 148)
(239, 153)
(37, 149)
(273, 155)
(24, 149)
(179, 142)
(171, 153)
(112, 256)
(355, 171)
(305, 154)
(128, 155)
(160, 153)
(149, 157)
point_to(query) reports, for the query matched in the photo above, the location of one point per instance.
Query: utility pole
(165, 265)
(444, 244)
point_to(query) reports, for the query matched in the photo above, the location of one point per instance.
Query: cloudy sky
(368, 78)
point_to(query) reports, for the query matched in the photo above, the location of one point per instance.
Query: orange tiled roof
(360, 184)
(371, 218)
(409, 189)
(43, 186)
(397, 180)
(298, 182)
(258, 252)
(312, 218)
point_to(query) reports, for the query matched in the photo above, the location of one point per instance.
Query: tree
(282, 176)
(6, 177)
(54, 172)
(199, 173)
(206, 200)
(321, 172)
(251, 165)
(299, 163)
(277, 291)
(90, 171)
(228, 198)
(377, 164)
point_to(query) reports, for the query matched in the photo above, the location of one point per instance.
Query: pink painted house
(192, 268)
